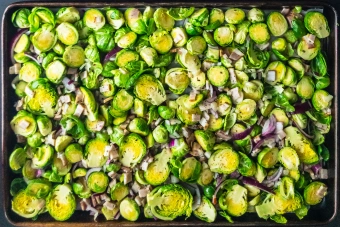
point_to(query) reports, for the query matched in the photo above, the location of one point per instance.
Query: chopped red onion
(236, 54)
(14, 69)
(269, 126)
(236, 95)
(111, 54)
(195, 117)
(223, 135)
(316, 168)
(255, 183)
(271, 75)
(285, 10)
(263, 46)
(244, 134)
(302, 107)
(69, 86)
(302, 131)
(274, 177)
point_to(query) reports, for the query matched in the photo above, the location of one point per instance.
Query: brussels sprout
(23, 44)
(163, 202)
(166, 112)
(20, 89)
(216, 18)
(67, 33)
(30, 71)
(242, 31)
(26, 205)
(125, 56)
(115, 18)
(255, 15)
(44, 38)
(27, 170)
(20, 18)
(163, 20)
(158, 170)
(301, 145)
(35, 140)
(122, 101)
(23, 123)
(189, 61)
(300, 120)
(218, 76)
(161, 41)
(148, 88)
(129, 209)
(224, 161)
(17, 159)
(206, 139)
(95, 152)
(179, 36)
(177, 79)
(288, 158)
(314, 192)
(200, 18)
(319, 65)
(98, 182)
(149, 55)
(39, 188)
(234, 201)
(234, 16)
(59, 48)
(224, 35)
(94, 19)
(160, 134)
(306, 52)
(139, 126)
(190, 170)
(61, 203)
(246, 165)
(206, 176)
(290, 36)
(74, 153)
(119, 191)
(280, 116)
(56, 71)
(305, 87)
(80, 187)
(180, 13)
(191, 29)
(255, 58)
(321, 100)
(67, 14)
(245, 109)
(135, 21)
(105, 40)
(253, 90)
(317, 24)
(277, 23)
(206, 211)
(268, 157)
(196, 45)
(132, 150)
(275, 72)
(259, 33)
(74, 56)
(21, 57)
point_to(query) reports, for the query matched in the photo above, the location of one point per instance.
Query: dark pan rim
(168, 3)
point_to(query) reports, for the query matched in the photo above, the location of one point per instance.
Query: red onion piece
(32, 58)
(302, 131)
(243, 134)
(265, 141)
(111, 54)
(274, 177)
(269, 126)
(14, 42)
(255, 183)
(316, 168)
(302, 107)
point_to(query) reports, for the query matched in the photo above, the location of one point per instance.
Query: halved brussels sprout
(177, 79)
(44, 38)
(132, 150)
(179, 36)
(163, 20)
(190, 170)
(56, 71)
(206, 176)
(74, 56)
(224, 35)
(135, 21)
(245, 109)
(224, 161)
(206, 210)
(30, 71)
(189, 61)
(280, 116)
(275, 72)
(94, 19)
(27, 206)
(234, 16)
(105, 40)
(20, 18)
(170, 201)
(289, 158)
(149, 55)
(67, 33)
(234, 201)
(305, 87)
(23, 44)
(148, 88)
(206, 139)
(218, 75)
(115, 18)
(17, 159)
(67, 14)
(268, 157)
(158, 170)
(301, 145)
(277, 23)
(61, 202)
(321, 100)
(196, 45)
(253, 90)
(259, 33)
(122, 101)
(161, 41)
(23, 123)
(74, 153)
(255, 15)
(180, 13)
(129, 209)
(160, 134)
(314, 192)
(242, 32)
(200, 18)
(98, 181)
(306, 52)
(42, 156)
(247, 166)
(216, 18)
(95, 152)
(317, 24)
(166, 112)
(125, 56)
(139, 126)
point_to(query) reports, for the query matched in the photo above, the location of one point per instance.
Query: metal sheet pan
(321, 214)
